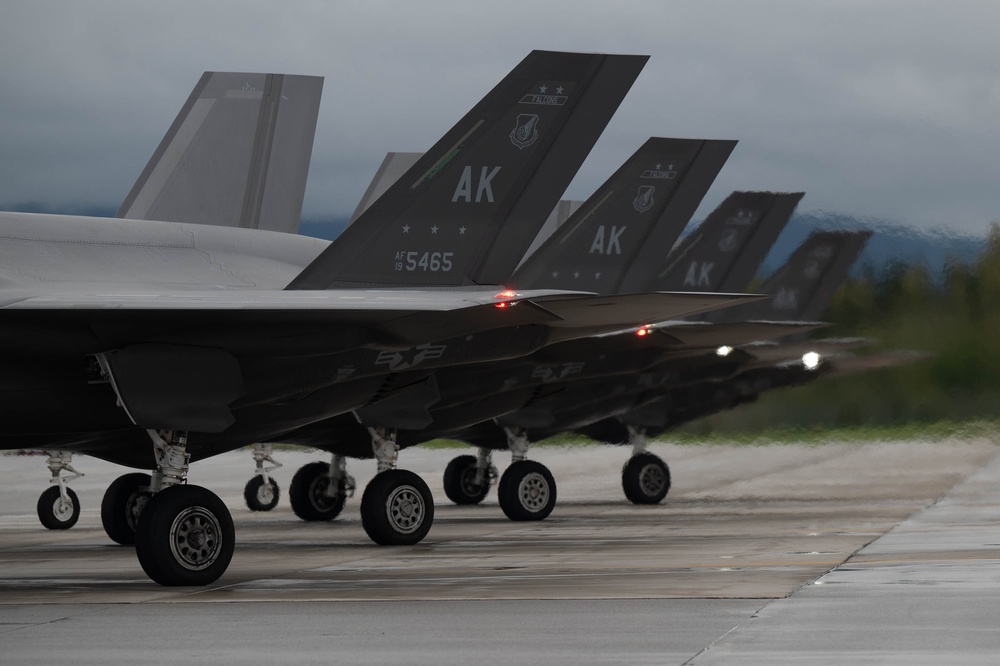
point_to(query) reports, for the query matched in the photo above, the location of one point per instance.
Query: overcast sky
(888, 110)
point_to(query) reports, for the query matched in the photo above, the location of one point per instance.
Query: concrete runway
(877, 552)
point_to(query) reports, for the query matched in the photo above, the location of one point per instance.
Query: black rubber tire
(307, 497)
(645, 479)
(185, 536)
(527, 491)
(122, 505)
(397, 508)
(460, 481)
(52, 511)
(261, 497)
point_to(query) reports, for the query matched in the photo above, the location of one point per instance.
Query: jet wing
(601, 312)
(391, 317)
(703, 334)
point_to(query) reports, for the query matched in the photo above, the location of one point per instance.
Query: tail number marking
(433, 262)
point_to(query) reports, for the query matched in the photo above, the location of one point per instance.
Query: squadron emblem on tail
(644, 199)
(525, 132)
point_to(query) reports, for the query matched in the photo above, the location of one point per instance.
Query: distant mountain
(889, 242)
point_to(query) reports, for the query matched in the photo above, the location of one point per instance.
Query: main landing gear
(184, 535)
(467, 479)
(397, 508)
(319, 490)
(262, 492)
(645, 477)
(527, 489)
(58, 507)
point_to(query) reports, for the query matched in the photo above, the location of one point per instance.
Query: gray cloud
(882, 109)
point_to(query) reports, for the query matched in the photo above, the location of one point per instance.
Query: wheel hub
(265, 494)
(652, 479)
(405, 509)
(534, 492)
(62, 509)
(195, 538)
(469, 485)
(136, 503)
(319, 494)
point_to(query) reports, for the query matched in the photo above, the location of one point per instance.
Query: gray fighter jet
(627, 409)
(595, 247)
(262, 126)
(180, 333)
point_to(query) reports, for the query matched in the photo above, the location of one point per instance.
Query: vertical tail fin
(467, 210)
(725, 251)
(393, 166)
(803, 286)
(237, 154)
(644, 205)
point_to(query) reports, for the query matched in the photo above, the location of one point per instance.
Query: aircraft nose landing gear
(58, 507)
(262, 492)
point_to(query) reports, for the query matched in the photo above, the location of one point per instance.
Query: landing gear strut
(185, 534)
(262, 492)
(58, 507)
(527, 489)
(397, 508)
(645, 477)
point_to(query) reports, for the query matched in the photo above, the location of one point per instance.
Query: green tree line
(952, 320)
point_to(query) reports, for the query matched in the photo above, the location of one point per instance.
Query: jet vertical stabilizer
(725, 251)
(801, 289)
(467, 210)
(645, 204)
(237, 155)
(393, 166)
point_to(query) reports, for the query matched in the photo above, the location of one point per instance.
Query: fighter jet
(95, 309)
(627, 409)
(261, 126)
(588, 250)
(725, 249)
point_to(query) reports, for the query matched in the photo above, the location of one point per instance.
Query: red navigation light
(507, 293)
(643, 332)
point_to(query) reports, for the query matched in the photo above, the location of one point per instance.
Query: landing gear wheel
(261, 496)
(56, 513)
(123, 501)
(308, 493)
(460, 481)
(527, 491)
(185, 536)
(397, 508)
(645, 479)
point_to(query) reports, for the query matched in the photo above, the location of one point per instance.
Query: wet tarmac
(876, 552)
